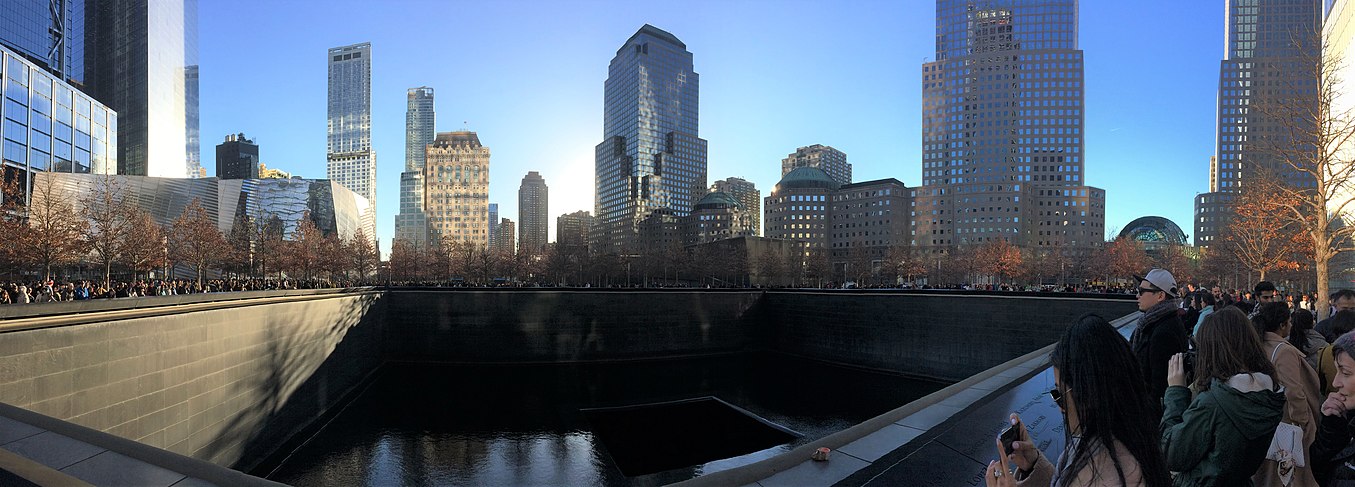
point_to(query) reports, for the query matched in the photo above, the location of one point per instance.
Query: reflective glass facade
(47, 32)
(136, 58)
(350, 158)
(651, 159)
(1002, 128)
(332, 207)
(49, 125)
(410, 224)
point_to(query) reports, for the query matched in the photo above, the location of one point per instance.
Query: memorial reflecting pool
(429, 424)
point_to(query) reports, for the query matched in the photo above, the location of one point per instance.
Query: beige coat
(1100, 473)
(1303, 400)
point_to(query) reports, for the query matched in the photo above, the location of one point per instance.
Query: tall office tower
(797, 208)
(1002, 118)
(651, 161)
(351, 161)
(47, 33)
(410, 224)
(456, 189)
(572, 229)
(237, 158)
(137, 55)
(533, 214)
(748, 197)
(493, 224)
(832, 161)
(503, 242)
(49, 126)
(1270, 48)
(193, 148)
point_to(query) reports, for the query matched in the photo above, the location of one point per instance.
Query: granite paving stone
(875, 445)
(112, 469)
(11, 430)
(928, 417)
(810, 472)
(53, 450)
(934, 465)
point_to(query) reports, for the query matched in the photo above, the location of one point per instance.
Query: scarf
(1154, 314)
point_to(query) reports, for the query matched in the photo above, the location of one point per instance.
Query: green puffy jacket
(1221, 437)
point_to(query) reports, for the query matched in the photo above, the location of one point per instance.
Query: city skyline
(867, 104)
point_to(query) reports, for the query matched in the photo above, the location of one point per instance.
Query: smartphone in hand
(1010, 435)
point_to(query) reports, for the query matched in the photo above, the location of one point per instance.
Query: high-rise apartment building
(651, 162)
(504, 240)
(533, 214)
(830, 160)
(237, 158)
(1270, 49)
(410, 224)
(748, 196)
(1002, 121)
(572, 229)
(350, 159)
(493, 225)
(456, 189)
(138, 58)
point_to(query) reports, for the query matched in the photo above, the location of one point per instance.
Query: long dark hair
(1298, 335)
(1269, 318)
(1112, 405)
(1229, 345)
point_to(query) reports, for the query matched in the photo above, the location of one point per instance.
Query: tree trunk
(1263, 274)
(1321, 259)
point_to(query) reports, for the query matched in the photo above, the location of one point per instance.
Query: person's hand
(999, 473)
(1335, 405)
(1024, 454)
(1176, 370)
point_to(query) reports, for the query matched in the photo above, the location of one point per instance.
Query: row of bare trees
(48, 233)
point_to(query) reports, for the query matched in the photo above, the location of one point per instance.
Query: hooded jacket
(1220, 438)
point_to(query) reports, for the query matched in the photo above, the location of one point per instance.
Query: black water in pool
(424, 424)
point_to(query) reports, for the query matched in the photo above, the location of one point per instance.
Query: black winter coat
(1154, 344)
(1332, 456)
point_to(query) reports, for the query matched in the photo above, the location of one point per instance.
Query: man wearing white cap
(1160, 333)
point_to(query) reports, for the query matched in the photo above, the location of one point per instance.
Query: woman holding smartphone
(1220, 438)
(1110, 437)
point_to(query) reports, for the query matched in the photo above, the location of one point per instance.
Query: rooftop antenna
(465, 126)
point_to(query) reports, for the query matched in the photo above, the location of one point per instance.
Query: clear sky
(527, 75)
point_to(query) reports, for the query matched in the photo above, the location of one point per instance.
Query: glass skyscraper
(137, 54)
(349, 155)
(49, 34)
(650, 163)
(49, 126)
(1270, 48)
(1002, 129)
(411, 225)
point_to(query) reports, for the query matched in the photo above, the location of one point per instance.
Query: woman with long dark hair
(1221, 437)
(1302, 395)
(1110, 438)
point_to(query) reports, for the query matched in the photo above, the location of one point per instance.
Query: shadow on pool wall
(938, 335)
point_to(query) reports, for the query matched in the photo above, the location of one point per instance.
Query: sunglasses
(1056, 396)
(1143, 290)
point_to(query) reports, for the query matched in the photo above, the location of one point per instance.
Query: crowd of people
(1213, 388)
(52, 291)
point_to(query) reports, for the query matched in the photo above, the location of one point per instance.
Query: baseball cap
(1162, 280)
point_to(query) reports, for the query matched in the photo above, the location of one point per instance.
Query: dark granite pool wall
(568, 325)
(943, 335)
(222, 385)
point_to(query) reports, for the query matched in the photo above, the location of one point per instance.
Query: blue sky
(527, 75)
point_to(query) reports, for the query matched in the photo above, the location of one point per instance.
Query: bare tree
(144, 249)
(109, 224)
(195, 239)
(305, 248)
(13, 228)
(1261, 238)
(1314, 149)
(361, 253)
(55, 231)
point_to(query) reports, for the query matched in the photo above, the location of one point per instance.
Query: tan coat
(1303, 400)
(1100, 473)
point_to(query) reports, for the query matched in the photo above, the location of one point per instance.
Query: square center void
(649, 438)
